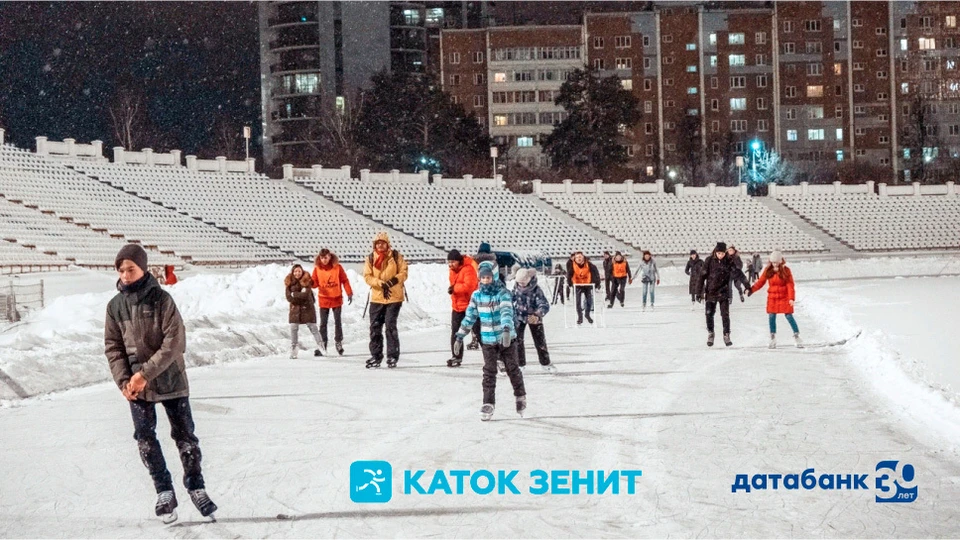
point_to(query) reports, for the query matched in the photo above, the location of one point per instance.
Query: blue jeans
(648, 286)
(789, 316)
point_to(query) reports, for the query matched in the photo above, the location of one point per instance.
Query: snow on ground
(278, 435)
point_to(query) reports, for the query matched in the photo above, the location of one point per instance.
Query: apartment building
(817, 81)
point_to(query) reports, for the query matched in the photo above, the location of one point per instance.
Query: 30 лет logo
(371, 481)
(896, 483)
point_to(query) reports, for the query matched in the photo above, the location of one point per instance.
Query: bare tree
(690, 150)
(128, 119)
(920, 138)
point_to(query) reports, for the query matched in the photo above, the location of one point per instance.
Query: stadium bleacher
(874, 223)
(46, 185)
(461, 217)
(256, 207)
(669, 225)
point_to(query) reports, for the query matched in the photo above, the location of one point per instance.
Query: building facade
(819, 82)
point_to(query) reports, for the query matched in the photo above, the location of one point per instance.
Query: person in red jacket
(780, 295)
(463, 282)
(328, 278)
(170, 277)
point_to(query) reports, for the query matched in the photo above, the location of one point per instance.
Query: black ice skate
(454, 362)
(374, 362)
(339, 346)
(474, 345)
(589, 320)
(521, 405)
(710, 339)
(166, 506)
(726, 340)
(392, 362)
(203, 502)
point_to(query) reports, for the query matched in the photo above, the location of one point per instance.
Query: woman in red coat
(328, 278)
(780, 295)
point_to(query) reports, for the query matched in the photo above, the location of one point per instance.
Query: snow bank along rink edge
(228, 316)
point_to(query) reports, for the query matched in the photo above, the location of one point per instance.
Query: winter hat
(454, 255)
(721, 246)
(132, 252)
(524, 275)
(382, 236)
(776, 257)
(486, 269)
(484, 248)
(693, 252)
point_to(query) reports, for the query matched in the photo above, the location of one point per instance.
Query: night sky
(194, 64)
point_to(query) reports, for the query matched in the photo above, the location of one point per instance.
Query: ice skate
(726, 340)
(166, 507)
(392, 362)
(473, 345)
(589, 320)
(579, 319)
(317, 352)
(339, 346)
(796, 338)
(501, 367)
(644, 308)
(454, 362)
(710, 339)
(203, 502)
(550, 368)
(610, 305)
(486, 412)
(773, 341)
(321, 349)
(293, 352)
(373, 362)
(521, 405)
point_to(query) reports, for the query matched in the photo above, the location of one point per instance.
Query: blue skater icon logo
(371, 481)
(896, 483)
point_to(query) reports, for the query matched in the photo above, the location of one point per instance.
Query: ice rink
(279, 435)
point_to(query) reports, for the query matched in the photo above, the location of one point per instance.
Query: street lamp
(493, 153)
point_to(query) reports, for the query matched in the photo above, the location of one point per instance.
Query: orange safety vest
(619, 269)
(581, 274)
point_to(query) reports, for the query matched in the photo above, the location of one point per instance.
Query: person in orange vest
(620, 270)
(463, 281)
(329, 278)
(581, 274)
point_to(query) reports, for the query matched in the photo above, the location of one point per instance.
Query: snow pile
(228, 317)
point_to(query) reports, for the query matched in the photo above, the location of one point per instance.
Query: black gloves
(349, 300)
(597, 286)
(700, 298)
(386, 291)
(393, 281)
(450, 289)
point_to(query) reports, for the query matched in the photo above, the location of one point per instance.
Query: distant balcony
(292, 20)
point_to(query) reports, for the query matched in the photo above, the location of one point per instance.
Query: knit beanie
(776, 257)
(524, 275)
(132, 252)
(484, 248)
(454, 255)
(485, 269)
(721, 246)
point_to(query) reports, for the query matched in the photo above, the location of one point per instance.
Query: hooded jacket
(716, 278)
(492, 304)
(464, 281)
(300, 297)
(529, 300)
(781, 290)
(329, 280)
(584, 274)
(693, 269)
(144, 332)
(393, 269)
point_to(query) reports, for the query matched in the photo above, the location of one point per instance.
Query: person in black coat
(584, 277)
(694, 266)
(737, 263)
(607, 274)
(716, 276)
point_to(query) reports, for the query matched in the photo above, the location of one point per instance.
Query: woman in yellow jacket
(384, 270)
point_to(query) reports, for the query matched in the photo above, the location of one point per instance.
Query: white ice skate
(796, 338)
(293, 352)
(550, 368)
(773, 341)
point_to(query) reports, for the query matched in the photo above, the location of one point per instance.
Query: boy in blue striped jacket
(492, 304)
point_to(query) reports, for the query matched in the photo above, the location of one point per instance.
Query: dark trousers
(558, 290)
(476, 330)
(539, 341)
(181, 430)
(619, 290)
(587, 305)
(493, 353)
(724, 314)
(737, 285)
(384, 315)
(456, 317)
(607, 281)
(337, 324)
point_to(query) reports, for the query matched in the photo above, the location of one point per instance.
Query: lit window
(624, 63)
(735, 38)
(950, 21)
(839, 155)
(499, 119)
(927, 44)
(738, 60)
(815, 113)
(713, 38)
(738, 104)
(814, 134)
(499, 77)
(626, 84)
(839, 134)
(838, 68)
(691, 46)
(411, 17)
(524, 142)
(692, 90)
(815, 91)
(791, 134)
(713, 60)
(692, 68)
(903, 44)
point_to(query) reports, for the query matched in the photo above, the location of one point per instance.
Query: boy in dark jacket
(529, 307)
(144, 341)
(714, 286)
(581, 274)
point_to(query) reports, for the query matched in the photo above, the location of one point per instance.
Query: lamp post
(246, 137)
(493, 154)
(755, 145)
(739, 169)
